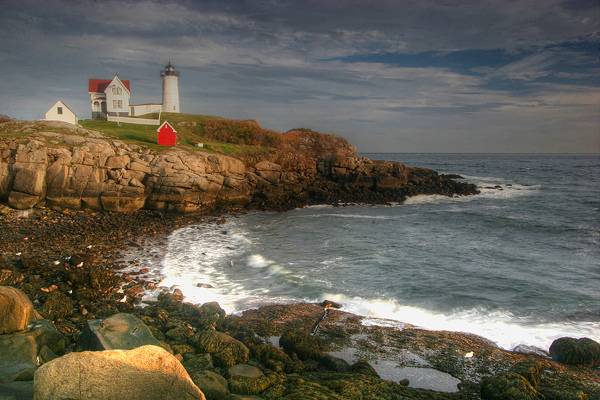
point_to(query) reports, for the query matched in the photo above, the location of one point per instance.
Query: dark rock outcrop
(88, 170)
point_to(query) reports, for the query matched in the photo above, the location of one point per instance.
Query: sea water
(518, 263)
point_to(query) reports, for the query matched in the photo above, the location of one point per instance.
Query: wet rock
(530, 370)
(170, 301)
(58, 305)
(16, 310)
(273, 358)
(225, 350)
(330, 304)
(508, 386)
(525, 349)
(248, 379)
(10, 278)
(207, 316)
(304, 346)
(22, 352)
(334, 363)
(213, 385)
(178, 295)
(573, 351)
(194, 362)
(22, 390)
(182, 349)
(120, 331)
(147, 372)
(363, 367)
(181, 333)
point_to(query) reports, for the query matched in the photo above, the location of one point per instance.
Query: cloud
(401, 76)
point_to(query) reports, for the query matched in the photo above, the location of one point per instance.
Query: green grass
(189, 133)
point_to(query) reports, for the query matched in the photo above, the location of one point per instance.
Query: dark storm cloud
(389, 75)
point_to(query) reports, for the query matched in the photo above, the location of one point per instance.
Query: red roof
(99, 85)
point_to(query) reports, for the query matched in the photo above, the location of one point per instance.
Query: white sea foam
(500, 327)
(486, 186)
(203, 254)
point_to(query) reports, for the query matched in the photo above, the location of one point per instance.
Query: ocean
(517, 264)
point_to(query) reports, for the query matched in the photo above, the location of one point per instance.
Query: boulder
(30, 179)
(225, 350)
(8, 277)
(213, 385)
(584, 351)
(334, 363)
(16, 310)
(248, 379)
(147, 372)
(22, 352)
(508, 386)
(119, 331)
(525, 349)
(304, 346)
(22, 201)
(268, 171)
(117, 162)
(330, 304)
(22, 390)
(206, 316)
(58, 305)
(194, 362)
(272, 357)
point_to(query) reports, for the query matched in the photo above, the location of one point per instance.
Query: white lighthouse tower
(170, 84)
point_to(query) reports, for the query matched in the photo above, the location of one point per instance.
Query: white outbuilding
(61, 112)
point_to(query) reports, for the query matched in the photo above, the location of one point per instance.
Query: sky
(517, 76)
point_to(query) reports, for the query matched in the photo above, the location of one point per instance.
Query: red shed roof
(99, 85)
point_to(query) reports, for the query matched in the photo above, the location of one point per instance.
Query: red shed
(167, 135)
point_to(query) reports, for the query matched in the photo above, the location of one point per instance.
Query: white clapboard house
(61, 112)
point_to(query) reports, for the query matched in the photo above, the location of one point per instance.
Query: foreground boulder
(148, 372)
(120, 331)
(16, 310)
(22, 352)
(573, 351)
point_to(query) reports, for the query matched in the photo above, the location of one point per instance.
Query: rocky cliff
(80, 168)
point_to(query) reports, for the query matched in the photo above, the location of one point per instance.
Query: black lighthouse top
(169, 70)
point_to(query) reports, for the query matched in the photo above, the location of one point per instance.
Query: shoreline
(347, 337)
(87, 200)
(470, 321)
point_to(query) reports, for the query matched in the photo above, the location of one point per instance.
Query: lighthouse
(170, 84)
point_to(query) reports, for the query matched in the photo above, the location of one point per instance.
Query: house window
(115, 104)
(59, 110)
(119, 103)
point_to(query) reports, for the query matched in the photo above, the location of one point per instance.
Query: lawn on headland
(220, 135)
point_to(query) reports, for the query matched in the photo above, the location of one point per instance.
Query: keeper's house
(61, 112)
